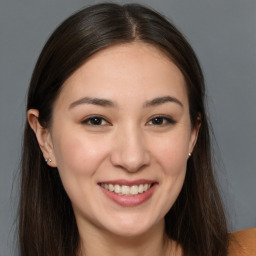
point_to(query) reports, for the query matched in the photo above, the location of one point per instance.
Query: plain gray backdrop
(223, 34)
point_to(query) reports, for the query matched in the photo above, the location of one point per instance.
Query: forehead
(126, 70)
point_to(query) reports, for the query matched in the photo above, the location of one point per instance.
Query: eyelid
(88, 118)
(167, 118)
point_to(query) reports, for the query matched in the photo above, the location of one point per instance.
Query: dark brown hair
(47, 224)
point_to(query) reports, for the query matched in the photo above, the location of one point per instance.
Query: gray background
(223, 34)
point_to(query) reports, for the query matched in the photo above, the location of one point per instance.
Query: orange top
(243, 243)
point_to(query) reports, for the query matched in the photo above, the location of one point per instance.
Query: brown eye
(158, 121)
(161, 120)
(95, 121)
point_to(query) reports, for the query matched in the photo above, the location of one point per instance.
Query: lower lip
(129, 201)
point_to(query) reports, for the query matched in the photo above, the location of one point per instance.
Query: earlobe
(43, 136)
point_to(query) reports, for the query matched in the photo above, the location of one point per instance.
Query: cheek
(173, 163)
(78, 155)
(172, 154)
(78, 158)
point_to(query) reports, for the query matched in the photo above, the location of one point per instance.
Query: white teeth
(141, 188)
(127, 190)
(117, 189)
(134, 190)
(111, 187)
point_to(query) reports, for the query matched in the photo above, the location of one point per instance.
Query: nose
(130, 151)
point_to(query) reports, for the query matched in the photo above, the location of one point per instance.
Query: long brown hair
(47, 225)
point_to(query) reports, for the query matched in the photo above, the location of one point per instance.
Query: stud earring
(189, 154)
(48, 160)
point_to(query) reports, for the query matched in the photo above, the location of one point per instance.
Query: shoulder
(242, 243)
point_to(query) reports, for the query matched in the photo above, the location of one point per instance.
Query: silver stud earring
(48, 160)
(189, 154)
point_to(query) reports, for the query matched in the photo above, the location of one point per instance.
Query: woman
(117, 157)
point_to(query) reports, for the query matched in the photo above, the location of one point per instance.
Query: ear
(43, 136)
(194, 134)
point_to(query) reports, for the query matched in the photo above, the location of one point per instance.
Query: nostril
(129, 151)
(131, 162)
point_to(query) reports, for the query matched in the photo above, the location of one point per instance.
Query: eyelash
(164, 120)
(100, 119)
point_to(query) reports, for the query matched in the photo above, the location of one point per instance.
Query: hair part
(196, 220)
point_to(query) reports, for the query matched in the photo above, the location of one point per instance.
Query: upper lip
(128, 182)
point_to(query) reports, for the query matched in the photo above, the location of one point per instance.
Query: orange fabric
(243, 243)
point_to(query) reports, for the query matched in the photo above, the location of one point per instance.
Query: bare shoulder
(242, 243)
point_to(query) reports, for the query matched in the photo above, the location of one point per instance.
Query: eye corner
(161, 120)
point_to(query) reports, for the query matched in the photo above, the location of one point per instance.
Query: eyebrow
(162, 100)
(93, 101)
(108, 103)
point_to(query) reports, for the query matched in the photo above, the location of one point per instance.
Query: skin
(125, 142)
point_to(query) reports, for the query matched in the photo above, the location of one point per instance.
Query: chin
(133, 228)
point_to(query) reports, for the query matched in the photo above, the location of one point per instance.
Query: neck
(151, 243)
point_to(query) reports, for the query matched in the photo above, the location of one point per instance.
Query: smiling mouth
(125, 190)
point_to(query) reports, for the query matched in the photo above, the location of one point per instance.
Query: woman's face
(120, 138)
